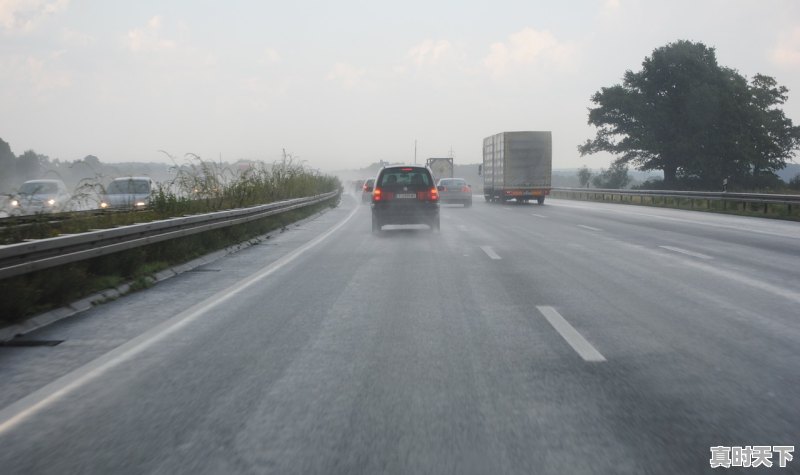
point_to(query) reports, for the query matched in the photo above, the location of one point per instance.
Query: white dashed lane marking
(571, 335)
(490, 252)
(685, 252)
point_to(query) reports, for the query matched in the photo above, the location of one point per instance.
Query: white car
(40, 196)
(128, 192)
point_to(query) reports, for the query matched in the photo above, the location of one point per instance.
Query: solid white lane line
(490, 252)
(28, 406)
(684, 251)
(588, 227)
(571, 335)
(538, 215)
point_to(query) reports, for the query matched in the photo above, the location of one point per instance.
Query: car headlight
(141, 203)
(104, 205)
(14, 203)
(51, 201)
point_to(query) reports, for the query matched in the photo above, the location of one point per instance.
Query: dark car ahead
(366, 190)
(405, 195)
(455, 190)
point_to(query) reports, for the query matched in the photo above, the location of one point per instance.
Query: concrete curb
(43, 319)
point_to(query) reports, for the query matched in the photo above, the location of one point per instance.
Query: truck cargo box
(517, 165)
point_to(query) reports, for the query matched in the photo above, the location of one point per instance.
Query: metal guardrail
(705, 195)
(22, 258)
(790, 203)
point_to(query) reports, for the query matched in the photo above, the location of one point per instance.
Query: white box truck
(518, 166)
(441, 167)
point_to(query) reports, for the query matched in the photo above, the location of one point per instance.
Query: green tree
(29, 165)
(794, 183)
(693, 119)
(7, 166)
(616, 177)
(773, 137)
(584, 176)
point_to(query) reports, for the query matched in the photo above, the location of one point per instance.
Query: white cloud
(347, 75)
(39, 75)
(77, 38)
(269, 56)
(787, 51)
(429, 52)
(530, 47)
(44, 77)
(149, 37)
(611, 5)
(24, 15)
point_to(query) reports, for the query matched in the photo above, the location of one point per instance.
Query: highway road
(566, 338)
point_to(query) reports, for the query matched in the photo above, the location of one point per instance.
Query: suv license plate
(405, 195)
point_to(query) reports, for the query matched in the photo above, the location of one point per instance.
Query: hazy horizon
(347, 84)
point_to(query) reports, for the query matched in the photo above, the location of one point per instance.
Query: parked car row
(52, 196)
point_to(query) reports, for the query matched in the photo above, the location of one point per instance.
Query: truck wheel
(540, 200)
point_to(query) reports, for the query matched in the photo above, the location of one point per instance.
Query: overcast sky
(342, 84)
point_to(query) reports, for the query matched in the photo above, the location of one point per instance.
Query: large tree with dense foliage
(693, 119)
(7, 166)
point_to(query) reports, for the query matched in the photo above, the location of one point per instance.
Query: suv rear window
(405, 176)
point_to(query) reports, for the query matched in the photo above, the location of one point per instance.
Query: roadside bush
(199, 187)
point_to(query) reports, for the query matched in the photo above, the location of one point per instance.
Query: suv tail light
(432, 195)
(376, 194)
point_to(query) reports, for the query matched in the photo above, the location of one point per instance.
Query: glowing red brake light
(434, 194)
(376, 194)
(406, 169)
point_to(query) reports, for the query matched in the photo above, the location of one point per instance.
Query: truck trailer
(518, 166)
(442, 167)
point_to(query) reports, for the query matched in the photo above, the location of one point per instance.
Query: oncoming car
(455, 190)
(128, 192)
(40, 196)
(405, 195)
